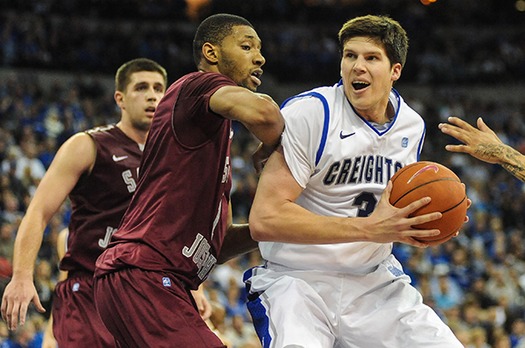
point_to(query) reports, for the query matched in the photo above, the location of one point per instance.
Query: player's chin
(145, 124)
(251, 87)
(250, 84)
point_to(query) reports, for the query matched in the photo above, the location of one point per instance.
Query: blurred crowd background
(466, 58)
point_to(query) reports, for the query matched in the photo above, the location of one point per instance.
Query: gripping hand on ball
(391, 224)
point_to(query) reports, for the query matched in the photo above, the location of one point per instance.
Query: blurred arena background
(466, 58)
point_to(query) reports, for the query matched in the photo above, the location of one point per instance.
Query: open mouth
(358, 85)
(256, 76)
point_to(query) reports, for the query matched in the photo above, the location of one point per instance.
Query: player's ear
(396, 71)
(210, 53)
(119, 98)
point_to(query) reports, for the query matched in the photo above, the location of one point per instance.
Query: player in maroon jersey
(97, 170)
(178, 224)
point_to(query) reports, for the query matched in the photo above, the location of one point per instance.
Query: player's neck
(138, 135)
(379, 115)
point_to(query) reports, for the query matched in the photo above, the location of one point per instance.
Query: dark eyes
(145, 87)
(353, 56)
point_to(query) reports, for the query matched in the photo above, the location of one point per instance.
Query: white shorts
(313, 309)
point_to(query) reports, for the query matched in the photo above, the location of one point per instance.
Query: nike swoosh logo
(118, 159)
(343, 136)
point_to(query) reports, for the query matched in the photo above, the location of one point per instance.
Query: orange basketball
(422, 179)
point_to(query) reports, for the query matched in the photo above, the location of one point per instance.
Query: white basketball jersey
(343, 162)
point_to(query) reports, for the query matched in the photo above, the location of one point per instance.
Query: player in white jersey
(322, 216)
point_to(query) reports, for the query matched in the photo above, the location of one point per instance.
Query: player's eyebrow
(252, 38)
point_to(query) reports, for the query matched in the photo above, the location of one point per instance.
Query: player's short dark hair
(213, 30)
(385, 30)
(123, 75)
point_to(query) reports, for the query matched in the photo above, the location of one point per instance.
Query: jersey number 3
(365, 203)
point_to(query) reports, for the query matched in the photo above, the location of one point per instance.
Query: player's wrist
(22, 276)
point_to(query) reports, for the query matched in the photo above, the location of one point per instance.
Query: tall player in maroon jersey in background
(97, 169)
(178, 224)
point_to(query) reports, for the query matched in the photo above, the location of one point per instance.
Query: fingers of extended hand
(3, 309)
(482, 126)
(414, 242)
(420, 219)
(459, 129)
(459, 123)
(454, 131)
(11, 312)
(38, 304)
(15, 303)
(22, 312)
(412, 207)
(456, 148)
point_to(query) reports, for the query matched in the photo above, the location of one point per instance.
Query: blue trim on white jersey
(371, 126)
(421, 141)
(326, 122)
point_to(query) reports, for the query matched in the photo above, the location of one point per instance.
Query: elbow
(270, 114)
(270, 119)
(260, 229)
(263, 119)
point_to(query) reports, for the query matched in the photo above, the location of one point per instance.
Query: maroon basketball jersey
(100, 199)
(177, 218)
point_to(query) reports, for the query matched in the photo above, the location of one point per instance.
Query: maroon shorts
(76, 322)
(151, 309)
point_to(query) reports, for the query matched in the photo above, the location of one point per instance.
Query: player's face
(141, 97)
(368, 77)
(240, 57)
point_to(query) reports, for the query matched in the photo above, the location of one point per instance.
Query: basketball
(422, 179)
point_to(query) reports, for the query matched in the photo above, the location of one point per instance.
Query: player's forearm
(291, 223)
(237, 241)
(27, 244)
(513, 161)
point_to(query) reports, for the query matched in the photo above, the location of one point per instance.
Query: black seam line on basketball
(441, 239)
(443, 212)
(426, 183)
